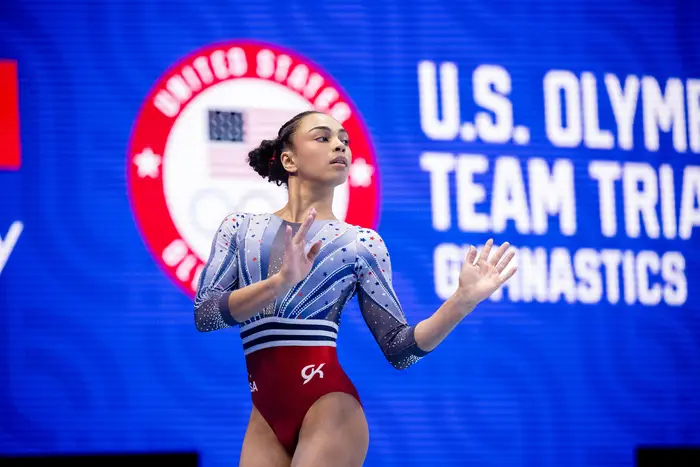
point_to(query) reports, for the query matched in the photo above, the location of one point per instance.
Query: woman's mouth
(340, 161)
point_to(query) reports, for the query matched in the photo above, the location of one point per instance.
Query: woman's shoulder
(369, 241)
(234, 221)
(363, 231)
(240, 217)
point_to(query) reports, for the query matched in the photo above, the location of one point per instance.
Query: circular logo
(187, 166)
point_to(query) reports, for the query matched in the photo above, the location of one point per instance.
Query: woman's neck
(302, 198)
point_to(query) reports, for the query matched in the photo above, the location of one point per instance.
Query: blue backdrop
(592, 351)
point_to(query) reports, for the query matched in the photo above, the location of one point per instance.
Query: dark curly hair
(266, 158)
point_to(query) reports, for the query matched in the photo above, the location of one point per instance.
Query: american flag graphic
(234, 133)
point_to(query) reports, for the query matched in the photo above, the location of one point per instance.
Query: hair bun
(266, 158)
(265, 161)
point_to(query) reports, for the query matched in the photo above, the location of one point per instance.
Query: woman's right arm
(218, 304)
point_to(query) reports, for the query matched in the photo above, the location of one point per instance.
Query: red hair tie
(272, 159)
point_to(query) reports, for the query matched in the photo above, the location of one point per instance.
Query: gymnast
(284, 279)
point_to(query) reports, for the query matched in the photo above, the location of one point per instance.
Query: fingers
(305, 226)
(288, 237)
(314, 250)
(509, 273)
(471, 255)
(497, 263)
(499, 254)
(500, 267)
(484, 254)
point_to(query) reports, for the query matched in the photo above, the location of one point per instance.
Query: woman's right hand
(297, 264)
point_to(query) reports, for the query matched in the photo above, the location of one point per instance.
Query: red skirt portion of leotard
(286, 381)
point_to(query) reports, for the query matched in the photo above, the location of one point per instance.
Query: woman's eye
(322, 139)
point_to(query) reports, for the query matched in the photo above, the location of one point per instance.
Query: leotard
(291, 342)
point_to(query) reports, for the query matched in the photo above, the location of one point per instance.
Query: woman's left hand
(480, 277)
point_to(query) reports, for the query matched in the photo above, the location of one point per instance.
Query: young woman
(284, 279)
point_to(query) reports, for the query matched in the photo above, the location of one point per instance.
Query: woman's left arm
(479, 279)
(404, 344)
(379, 305)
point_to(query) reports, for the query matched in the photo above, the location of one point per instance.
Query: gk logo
(313, 371)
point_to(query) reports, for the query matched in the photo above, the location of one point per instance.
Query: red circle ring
(152, 128)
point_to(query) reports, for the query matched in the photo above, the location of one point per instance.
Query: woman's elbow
(401, 363)
(209, 316)
(206, 321)
(404, 360)
(202, 324)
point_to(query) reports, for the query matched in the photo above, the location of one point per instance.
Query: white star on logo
(361, 173)
(148, 163)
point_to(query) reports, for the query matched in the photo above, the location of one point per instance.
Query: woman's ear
(288, 161)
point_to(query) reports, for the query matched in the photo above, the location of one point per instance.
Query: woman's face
(321, 151)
